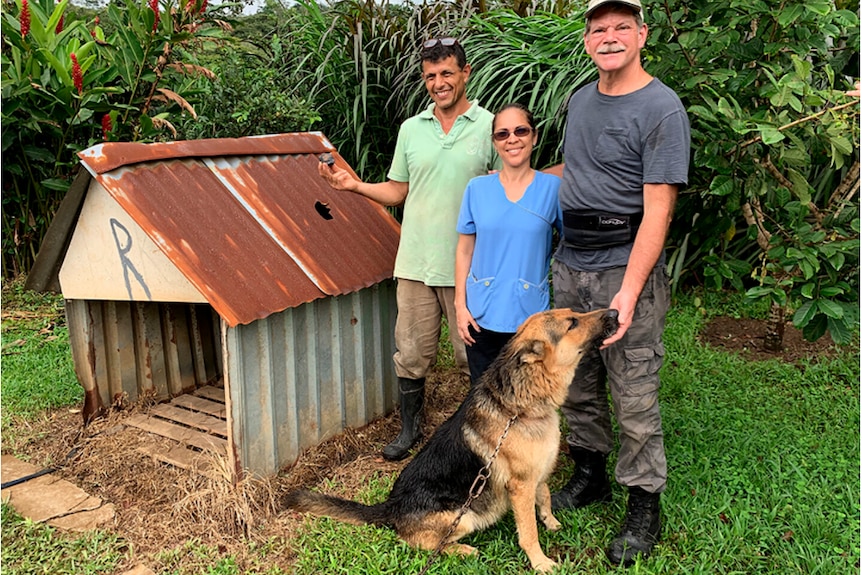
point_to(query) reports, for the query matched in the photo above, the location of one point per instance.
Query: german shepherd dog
(529, 380)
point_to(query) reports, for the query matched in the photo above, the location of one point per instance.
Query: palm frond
(537, 61)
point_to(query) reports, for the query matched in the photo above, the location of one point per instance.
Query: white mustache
(610, 49)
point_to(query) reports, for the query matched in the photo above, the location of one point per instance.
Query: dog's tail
(342, 509)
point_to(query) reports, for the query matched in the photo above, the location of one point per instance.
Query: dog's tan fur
(529, 379)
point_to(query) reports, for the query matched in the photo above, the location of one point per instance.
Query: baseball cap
(594, 4)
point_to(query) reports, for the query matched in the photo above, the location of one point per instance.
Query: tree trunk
(774, 339)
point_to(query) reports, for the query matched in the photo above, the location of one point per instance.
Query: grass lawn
(763, 472)
(37, 370)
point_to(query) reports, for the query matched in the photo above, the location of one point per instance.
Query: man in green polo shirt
(438, 151)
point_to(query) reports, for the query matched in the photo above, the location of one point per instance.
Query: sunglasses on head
(520, 131)
(434, 41)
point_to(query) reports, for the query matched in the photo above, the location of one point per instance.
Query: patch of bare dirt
(746, 337)
(161, 508)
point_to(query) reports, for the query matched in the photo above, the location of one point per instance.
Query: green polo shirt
(437, 166)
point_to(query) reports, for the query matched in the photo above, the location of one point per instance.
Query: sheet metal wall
(125, 350)
(302, 375)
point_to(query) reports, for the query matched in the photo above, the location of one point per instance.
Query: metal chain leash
(475, 491)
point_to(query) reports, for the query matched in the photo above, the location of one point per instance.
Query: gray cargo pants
(628, 367)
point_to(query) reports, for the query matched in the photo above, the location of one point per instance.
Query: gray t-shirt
(613, 146)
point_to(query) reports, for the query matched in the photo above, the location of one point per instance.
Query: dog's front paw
(545, 565)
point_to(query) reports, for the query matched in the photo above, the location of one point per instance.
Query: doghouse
(225, 280)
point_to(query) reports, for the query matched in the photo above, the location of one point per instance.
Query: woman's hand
(464, 319)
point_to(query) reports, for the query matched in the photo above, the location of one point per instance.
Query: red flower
(24, 18)
(77, 76)
(59, 27)
(106, 126)
(154, 6)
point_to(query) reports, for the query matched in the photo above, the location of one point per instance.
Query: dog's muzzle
(611, 323)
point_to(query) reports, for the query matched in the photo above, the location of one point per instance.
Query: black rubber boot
(589, 482)
(411, 395)
(640, 531)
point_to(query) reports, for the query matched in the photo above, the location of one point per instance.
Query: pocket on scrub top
(479, 294)
(532, 297)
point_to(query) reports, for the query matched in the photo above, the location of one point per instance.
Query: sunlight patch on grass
(37, 375)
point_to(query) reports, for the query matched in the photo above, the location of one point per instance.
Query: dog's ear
(532, 351)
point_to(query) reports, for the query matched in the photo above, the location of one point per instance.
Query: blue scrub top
(508, 279)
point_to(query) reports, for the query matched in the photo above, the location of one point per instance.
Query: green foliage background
(773, 204)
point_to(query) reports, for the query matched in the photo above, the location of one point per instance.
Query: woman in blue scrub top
(506, 229)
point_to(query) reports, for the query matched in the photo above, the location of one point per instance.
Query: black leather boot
(640, 530)
(589, 482)
(411, 396)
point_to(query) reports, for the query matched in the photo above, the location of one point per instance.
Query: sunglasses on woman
(434, 41)
(520, 131)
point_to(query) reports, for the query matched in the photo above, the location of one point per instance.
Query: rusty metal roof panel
(310, 220)
(103, 158)
(256, 232)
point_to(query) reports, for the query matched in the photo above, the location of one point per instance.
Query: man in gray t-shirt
(626, 153)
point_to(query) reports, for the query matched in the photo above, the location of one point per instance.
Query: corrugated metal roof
(249, 221)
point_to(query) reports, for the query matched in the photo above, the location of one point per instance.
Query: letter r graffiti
(124, 245)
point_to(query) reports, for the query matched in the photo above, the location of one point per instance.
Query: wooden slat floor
(197, 425)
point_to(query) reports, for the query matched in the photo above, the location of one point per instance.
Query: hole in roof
(323, 209)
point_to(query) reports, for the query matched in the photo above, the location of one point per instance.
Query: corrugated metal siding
(301, 376)
(123, 351)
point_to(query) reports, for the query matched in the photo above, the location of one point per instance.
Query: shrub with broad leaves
(773, 205)
(66, 86)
